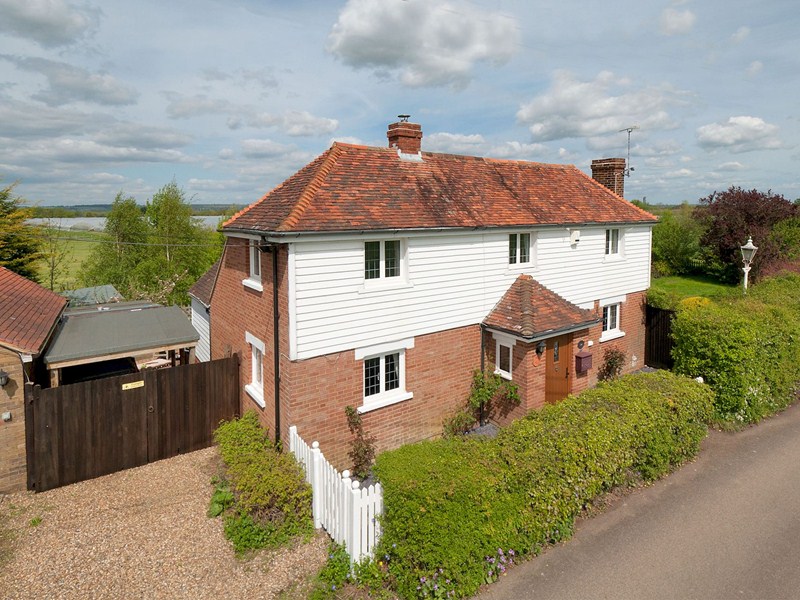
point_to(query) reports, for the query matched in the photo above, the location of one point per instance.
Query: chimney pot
(405, 136)
(610, 172)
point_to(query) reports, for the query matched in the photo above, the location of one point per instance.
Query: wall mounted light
(540, 347)
(3, 378)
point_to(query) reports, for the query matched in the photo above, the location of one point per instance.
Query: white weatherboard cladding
(201, 322)
(453, 280)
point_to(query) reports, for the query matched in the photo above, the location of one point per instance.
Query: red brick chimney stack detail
(611, 173)
(405, 136)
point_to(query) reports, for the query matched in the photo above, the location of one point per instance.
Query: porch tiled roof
(204, 287)
(362, 188)
(28, 313)
(530, 310)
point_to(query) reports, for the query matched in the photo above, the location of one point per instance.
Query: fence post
(316, 465)
(346, 510)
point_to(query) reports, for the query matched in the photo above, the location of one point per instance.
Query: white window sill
(256, 393)
(253, 284)
(383, 401)
(380, 285)
(503, 374)
(611, 335)
(613, 258)
(520, 268)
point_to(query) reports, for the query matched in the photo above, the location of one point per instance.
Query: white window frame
(516, 262)
(383, 280)
(508, 342)
(255, 388)
(253, 280)
(609, 306)
(384, 397)
(612, 253)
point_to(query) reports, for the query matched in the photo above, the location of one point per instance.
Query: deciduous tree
(733, 215)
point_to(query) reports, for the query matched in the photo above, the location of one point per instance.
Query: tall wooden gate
(80, 431)
(658, 338)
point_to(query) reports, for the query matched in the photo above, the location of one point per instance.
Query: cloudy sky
(230, 97)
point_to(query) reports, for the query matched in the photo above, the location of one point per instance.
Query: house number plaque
(133, 385)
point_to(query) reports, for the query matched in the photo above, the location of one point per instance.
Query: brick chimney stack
(405, 136)
(610, 172)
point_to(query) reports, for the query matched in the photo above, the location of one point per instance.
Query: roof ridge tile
(311, 188)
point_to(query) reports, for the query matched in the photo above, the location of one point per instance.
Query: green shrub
(613, 362)
(744, 348)
(271, 500)
(454, 507)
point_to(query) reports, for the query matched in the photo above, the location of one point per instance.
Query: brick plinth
(13, 465)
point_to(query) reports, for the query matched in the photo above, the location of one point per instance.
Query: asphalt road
(725, 526)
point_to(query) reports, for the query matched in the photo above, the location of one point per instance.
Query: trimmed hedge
(745, 349)
(454, 509)
(272, 501)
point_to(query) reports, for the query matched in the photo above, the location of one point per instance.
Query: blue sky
(231, 97)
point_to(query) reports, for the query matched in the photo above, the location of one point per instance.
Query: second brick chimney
(611, 173)
(405, 136)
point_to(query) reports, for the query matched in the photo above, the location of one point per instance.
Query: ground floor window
(384, 374)
(255, 388)
(504, 356)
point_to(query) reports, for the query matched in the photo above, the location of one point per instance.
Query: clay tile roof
(204, 287)
(355, 188)
(530, 310)
(28, 313)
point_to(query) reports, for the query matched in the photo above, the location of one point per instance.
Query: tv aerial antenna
(628, 168)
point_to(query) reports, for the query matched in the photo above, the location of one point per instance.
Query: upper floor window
(384, 260)
(612, 241)
(519, 248)
(255, 260)
(253, 279)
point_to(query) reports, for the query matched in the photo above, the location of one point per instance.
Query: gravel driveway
(140, 533)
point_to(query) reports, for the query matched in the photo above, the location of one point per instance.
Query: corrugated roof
(89, 334)
(28, 313)
(204, 287)
(530, 310)
(99, 294)
(352, 187)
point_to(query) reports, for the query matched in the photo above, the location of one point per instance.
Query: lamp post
(748, 252)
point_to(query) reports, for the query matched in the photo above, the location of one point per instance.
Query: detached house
(382, 277)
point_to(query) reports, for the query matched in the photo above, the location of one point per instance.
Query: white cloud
(739, 134)
(185, 107)
(741, 35)
(676, 22)
(583, 109)
(454, 143)
(730, 166)
(429, 43)
(303, 123)
(70, 84)
(51, 23)
(516, 150)
(263, 148)
(70, 150)
(25, 120)
(127, 135)
(226, 154)
(679, 174)
(754, 68)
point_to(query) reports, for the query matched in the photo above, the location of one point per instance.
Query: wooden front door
(558, 375)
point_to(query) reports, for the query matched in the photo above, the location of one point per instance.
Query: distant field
(79, 245)
(687, 287)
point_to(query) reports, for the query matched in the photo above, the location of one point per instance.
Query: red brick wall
(13, 464)
(235, 309)
(438, 372)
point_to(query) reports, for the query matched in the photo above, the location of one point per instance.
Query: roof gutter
(287, 235)
(544, 334)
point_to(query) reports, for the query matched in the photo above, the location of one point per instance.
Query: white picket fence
(346, 511)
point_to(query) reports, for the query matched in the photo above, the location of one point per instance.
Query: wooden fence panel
(85, 430)
(658, 338)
